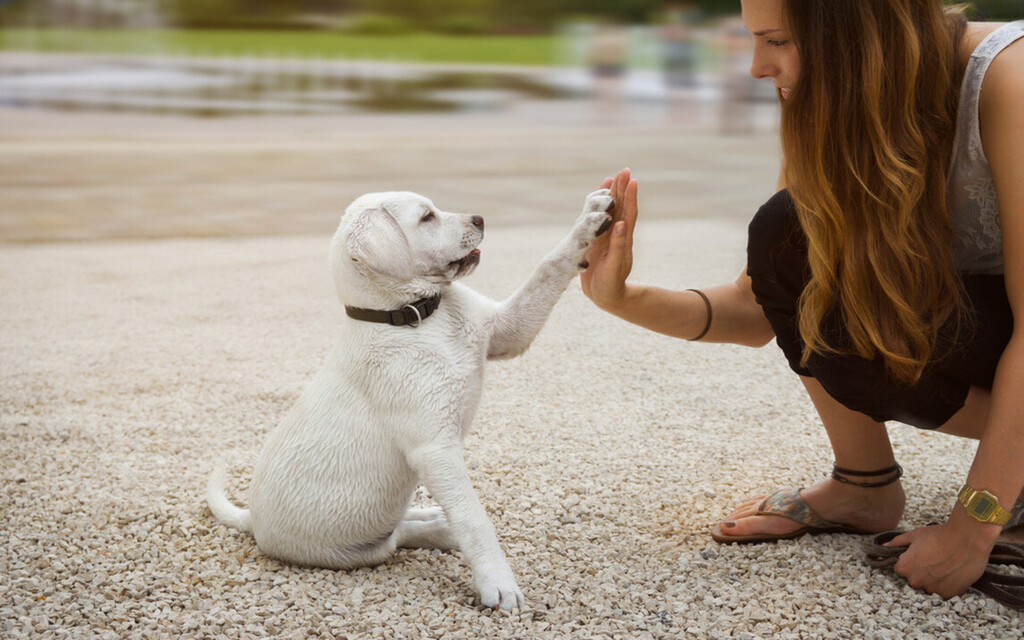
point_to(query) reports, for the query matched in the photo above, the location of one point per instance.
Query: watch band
(983, 506)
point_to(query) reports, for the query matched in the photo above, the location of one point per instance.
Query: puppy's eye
(428, 216)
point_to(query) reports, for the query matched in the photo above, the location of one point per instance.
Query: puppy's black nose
(477, 221)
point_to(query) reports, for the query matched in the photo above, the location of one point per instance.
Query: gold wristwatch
(983, 506)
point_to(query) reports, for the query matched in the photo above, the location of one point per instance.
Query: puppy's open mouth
(470, 260)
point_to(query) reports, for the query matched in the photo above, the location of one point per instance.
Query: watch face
(983, 506)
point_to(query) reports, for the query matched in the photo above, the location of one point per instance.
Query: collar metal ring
(419, 318)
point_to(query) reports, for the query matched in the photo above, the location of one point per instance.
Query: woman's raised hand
(611, 255)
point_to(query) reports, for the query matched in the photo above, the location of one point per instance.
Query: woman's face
(775, 53)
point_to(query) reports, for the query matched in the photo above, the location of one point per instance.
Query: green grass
(419, 47)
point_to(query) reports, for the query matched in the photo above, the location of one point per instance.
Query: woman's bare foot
(870, 509)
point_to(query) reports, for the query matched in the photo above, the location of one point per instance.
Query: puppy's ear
(376, 240)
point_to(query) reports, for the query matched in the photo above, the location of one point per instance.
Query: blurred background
(230, 57)
(160, 118)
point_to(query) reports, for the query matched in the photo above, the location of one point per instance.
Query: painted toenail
(728, 524)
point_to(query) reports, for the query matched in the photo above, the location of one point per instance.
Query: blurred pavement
(92, 175)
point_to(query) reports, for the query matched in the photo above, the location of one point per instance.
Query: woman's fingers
(600, 244)
(619, 253)
(619, 186)
(610, 257)
(629, 206)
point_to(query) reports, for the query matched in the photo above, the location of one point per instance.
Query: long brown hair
(866, 134)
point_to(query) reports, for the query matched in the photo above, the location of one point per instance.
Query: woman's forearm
(999, 462)
(736, 316)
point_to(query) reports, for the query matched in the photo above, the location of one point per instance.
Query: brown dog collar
(410, 315)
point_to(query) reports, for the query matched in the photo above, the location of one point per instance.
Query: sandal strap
(787, 503)
(895, 469)
(1005, 587)
(877, 554)
(1007, 553)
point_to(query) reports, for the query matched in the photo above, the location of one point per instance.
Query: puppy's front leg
(442, 470)
(518, 320)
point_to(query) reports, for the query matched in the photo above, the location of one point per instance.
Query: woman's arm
(736, 316)
(999, 463)
(947, 559)
(1000, 458)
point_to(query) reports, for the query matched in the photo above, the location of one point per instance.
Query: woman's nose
(761, 68)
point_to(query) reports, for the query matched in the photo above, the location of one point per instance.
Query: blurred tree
(620, 10)
(202, 12)
(999, 9)
(527, 13)
(718, 7)
(413, 9)
(447, 15)
(518, 12)
(986, 9)
(427, 9)
(254, 13)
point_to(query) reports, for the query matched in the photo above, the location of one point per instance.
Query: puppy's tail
(223, 509)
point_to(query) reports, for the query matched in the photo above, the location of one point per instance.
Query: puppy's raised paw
(596, 217)
(590, 225)
(600, 200)
(594, 221)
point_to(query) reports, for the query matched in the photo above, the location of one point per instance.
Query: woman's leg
(859, 397)
(777, 264)
(859, 443)
(969, 421)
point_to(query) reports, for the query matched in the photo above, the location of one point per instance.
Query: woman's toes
(758, 525)
(746, 509)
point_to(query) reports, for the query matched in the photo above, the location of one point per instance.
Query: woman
(891, 298)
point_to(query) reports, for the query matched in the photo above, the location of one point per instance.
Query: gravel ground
(603, 455)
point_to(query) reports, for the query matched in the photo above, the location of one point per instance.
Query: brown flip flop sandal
(787, 503)
(999, 585)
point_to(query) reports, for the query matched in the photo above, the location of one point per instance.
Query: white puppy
(394, 399)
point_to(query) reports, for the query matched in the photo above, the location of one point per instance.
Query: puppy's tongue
(474, 252)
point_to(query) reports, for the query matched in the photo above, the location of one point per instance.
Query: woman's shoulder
(1005, 75)
(999, 107)
(975, 34)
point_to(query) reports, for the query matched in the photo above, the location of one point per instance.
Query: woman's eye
(777, 43)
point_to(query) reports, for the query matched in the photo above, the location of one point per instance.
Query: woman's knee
(777, 253)
(862, 385)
